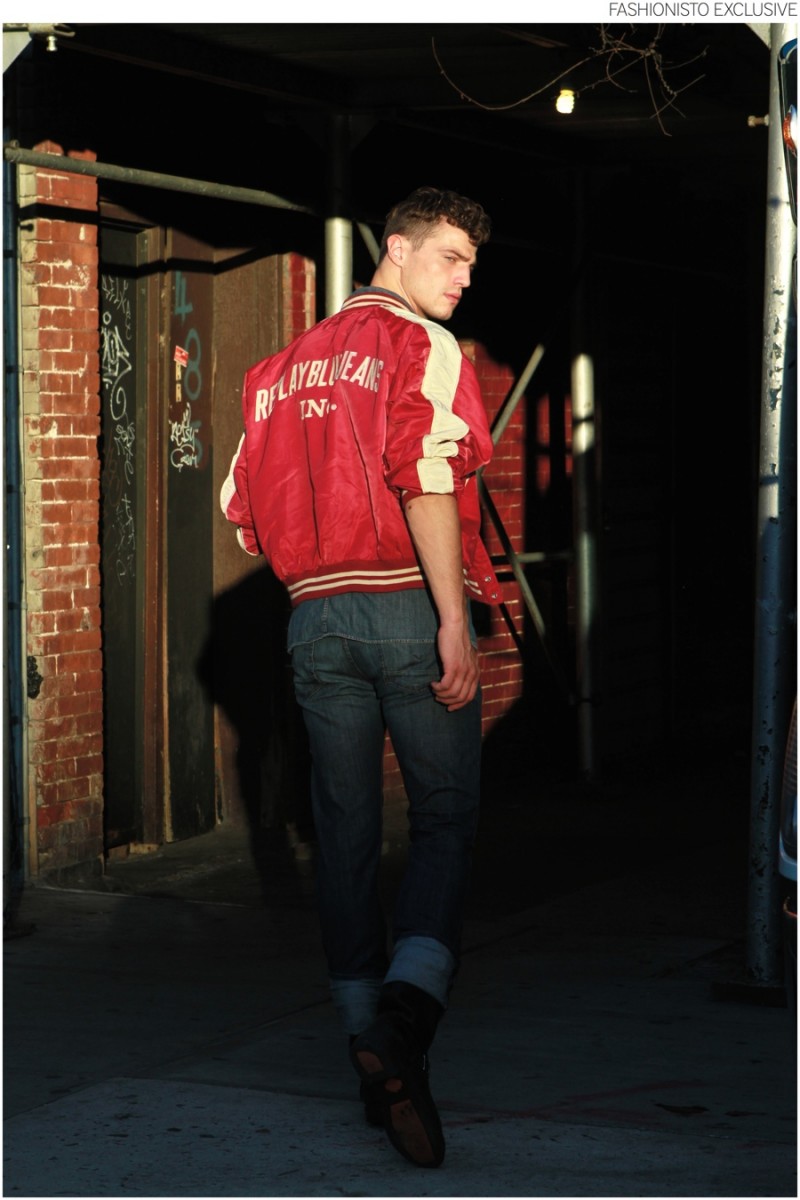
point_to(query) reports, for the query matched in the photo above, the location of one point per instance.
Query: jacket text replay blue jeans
(363, 663)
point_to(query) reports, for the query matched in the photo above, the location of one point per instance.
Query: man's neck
(387, 278)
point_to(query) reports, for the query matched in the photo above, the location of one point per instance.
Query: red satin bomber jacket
(369, 405)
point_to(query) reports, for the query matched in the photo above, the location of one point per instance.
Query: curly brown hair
(425, 207)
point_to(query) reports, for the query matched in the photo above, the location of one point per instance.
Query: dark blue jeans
(364, 663)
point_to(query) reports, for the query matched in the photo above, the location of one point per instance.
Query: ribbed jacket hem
(358, 577)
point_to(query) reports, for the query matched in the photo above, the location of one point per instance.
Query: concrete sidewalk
(161, 1044)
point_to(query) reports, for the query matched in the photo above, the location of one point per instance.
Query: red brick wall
(61, 424)
(299, 289)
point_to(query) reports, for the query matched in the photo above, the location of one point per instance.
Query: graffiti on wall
(184, 430)
(119, 425)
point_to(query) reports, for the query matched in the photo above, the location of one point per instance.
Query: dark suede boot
(391, 1058)
(370, 1096)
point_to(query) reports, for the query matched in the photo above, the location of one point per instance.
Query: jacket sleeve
(437, 433)
(234, 500)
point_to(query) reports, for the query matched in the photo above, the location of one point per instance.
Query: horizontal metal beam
(155, 179)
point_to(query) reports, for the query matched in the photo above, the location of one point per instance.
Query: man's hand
(460, 673)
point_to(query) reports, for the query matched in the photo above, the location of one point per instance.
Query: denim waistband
(404, 616)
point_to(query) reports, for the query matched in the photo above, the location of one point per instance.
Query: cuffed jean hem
(424, 962)
(356, 1001)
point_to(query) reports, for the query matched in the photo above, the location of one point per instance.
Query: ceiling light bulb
(566, 101)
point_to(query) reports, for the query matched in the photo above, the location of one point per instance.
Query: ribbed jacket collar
(364, 296)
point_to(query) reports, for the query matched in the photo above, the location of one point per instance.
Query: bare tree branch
(613, 50)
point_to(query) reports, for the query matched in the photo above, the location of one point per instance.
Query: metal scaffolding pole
(17, 845)
(584, 453)
(338, 226)
(584, 477)
(170, 183)
(774, 674)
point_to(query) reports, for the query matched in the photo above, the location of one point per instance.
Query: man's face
(434, 274)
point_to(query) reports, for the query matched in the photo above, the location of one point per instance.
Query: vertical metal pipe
(584, 467)
(338, 263)
(583, 460)
(338, 226)
(14, 678)
(774, 677)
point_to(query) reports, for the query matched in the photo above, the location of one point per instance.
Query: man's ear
(396, 249)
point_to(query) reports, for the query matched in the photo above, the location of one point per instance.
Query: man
(356, 479)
